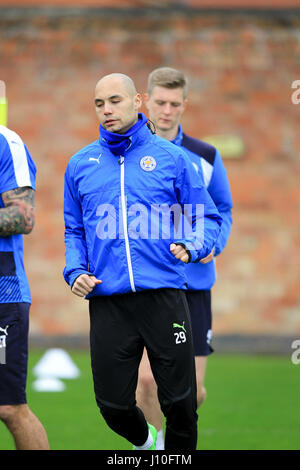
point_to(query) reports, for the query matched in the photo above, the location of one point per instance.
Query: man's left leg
(25, 427)
(200, 364)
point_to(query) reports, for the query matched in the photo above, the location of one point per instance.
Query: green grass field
(252, 403)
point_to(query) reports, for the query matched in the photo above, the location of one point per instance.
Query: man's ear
(138, 100)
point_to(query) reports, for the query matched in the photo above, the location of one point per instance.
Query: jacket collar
(179, 137)
(118, 144)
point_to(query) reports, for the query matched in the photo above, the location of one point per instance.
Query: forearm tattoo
(18, 214)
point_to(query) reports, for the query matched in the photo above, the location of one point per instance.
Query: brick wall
(241, 67)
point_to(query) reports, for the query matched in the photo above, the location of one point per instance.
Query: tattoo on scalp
(17, 216)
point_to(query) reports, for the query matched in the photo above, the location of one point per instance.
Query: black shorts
(121, 326)
(201, 319)
(14, 323)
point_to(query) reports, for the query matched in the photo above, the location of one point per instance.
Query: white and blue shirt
(17, 170)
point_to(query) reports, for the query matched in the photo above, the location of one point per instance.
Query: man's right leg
(116, 350)
(146, 397)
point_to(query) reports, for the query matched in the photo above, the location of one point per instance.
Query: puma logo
(176, 325)
(4, 330)
(96, 159)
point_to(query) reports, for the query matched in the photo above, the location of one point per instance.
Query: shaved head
(126, 82)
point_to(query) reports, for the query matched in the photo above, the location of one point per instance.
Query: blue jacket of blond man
(110, 211)
(210, 167)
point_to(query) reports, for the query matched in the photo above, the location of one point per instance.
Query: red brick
(240, 71)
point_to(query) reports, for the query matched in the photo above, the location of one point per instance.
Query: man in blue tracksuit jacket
(165, 100)
(126, 253)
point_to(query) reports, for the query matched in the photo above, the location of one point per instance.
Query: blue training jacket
(113, 210)
(208, 162)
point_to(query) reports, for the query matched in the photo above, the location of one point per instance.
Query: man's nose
(107, 108)
(167, 108)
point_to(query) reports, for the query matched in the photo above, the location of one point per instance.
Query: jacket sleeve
(202, 221)
(75, 242)
(219, 190)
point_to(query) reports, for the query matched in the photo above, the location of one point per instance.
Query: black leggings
(121, 326)
(181, 433)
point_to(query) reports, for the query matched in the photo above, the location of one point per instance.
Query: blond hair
(168, 78)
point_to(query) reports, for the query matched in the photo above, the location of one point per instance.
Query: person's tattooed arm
(17, 216)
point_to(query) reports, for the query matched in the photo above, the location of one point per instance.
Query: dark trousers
(121, 326)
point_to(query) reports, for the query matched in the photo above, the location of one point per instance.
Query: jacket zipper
(124, 220)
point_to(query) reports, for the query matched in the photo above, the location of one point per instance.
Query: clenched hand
(84, 284)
